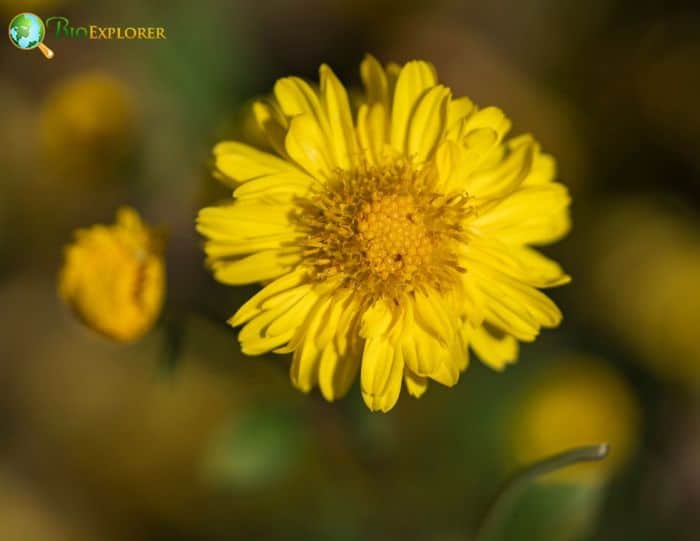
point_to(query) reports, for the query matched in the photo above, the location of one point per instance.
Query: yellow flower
(581, 401)
(114, 277)
(390, 240)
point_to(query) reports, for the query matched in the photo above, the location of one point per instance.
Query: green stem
(505, 496)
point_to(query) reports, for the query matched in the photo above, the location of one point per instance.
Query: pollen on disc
(384, 231)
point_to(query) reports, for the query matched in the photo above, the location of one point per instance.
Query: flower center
(384, 231)
(393, 235)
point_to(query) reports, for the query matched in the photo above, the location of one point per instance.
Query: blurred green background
(180, 437)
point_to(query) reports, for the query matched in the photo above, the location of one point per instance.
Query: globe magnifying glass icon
(27, 32)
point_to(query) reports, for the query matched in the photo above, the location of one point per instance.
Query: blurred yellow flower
(579, 402)
(114, 277)
(651, 302)
(388, 241)
(87, 125)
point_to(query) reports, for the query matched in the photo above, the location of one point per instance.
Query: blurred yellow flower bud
(114, 277)
(579, 402)
(87, 126)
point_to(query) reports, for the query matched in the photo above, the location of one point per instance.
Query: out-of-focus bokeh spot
(266, 444)
(88, 127)
(643, 285)
(573, 402)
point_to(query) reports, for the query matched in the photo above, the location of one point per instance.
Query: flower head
(114, 277)
(389, 240)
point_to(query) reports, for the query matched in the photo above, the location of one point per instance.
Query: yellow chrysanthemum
(389, 240)
(114, 277)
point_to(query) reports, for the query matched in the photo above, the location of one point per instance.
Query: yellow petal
(505, 177)
(495, 348)
(375, 81)
(503, 309)
(418, 347)
(430, 313)
(448, 370)
(244, 220)
(427, 123)
(254, 305)
(307, 145)
(265, 344)
(291, 183)
(428, 353)
(238, 162)
(541, 271)
(489, 117)
(393, 70)
(217, 249)
(258, 326)
(245, 227)
(272, 123)
(341, 130)
(336, 373)
(296, 97)
(544, 170)
(409, 351)
(473, 301)
(517, 261)
(514, 306)
(415, 385)
(303, 371)
(461, 347)
(347, 337)
(341, 301)
(542, 308)
(531, 215)
(457, 110)
(544, 167)
(457, 161)
(371, 131)
(378, 319)
(414, 80)
(300, 305)
(256, 338)
(292, 294)
(541, 230)
(257, 267)
(454, 164)
(307, 357)
(381, 374)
